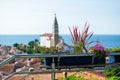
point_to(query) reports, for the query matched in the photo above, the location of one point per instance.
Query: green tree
(15, 45)
(33, 46)
(29, 50)
(37, 49)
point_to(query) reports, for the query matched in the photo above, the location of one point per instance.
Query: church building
(51, 39)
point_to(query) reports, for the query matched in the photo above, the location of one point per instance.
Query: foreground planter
(116, 56)
(69, 60)
(79, 60)
(98, 60)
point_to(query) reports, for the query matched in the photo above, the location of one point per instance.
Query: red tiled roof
(7, 69)
(47, 34)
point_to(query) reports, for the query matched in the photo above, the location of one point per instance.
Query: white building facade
(45, 40)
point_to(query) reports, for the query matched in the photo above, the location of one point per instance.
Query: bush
(117, 49)
(114, 78)
(71, 77)
(74, 77)
(81, 39)
(113, 72)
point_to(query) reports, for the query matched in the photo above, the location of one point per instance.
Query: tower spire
(55, 24)
(55, 32)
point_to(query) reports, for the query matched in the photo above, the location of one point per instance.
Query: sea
(108, 41)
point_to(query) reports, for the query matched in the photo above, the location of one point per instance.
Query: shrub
(113, 72)
(81, 40)
(117, 49)
(114, 78)
(99, 51)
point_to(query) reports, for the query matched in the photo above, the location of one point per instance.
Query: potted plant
(80, 46)
(81, 40)
(100, 53)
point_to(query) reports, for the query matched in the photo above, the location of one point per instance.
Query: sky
(37, 16)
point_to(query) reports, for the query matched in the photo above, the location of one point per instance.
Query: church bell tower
(55, 32)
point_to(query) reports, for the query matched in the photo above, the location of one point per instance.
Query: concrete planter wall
(69, 61)
(78, 59)
(115, 57)
(98, 60)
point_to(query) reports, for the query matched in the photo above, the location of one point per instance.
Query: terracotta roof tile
(47, 34)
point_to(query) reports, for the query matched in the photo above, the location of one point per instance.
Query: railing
(44, 56)
(7, 60)
(53, 70)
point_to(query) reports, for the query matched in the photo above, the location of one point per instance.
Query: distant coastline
(108, 40)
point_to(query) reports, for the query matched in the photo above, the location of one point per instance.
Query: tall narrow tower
(55, 32)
